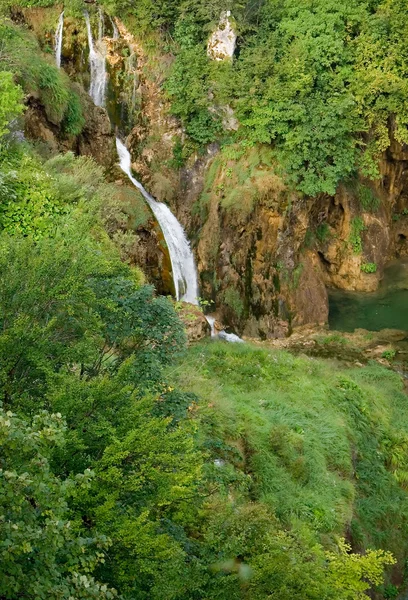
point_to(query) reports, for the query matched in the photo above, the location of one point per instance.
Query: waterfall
(98, 65)
(58, 40)
(223, 335)
(115, 30)
(181, 256)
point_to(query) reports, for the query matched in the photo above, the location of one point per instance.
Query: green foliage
(73, 120)
(356, 229)
(388, 354)
(368, 267)
(10, 101)
(323, 233)
(29, 204)
(42, 553)
(233, 299)
(307, 440)
(368, 200)
(319, 81)
(38, 75)
(188, 88)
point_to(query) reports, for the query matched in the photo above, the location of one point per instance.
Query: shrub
(368, 200)
(11, 97)
(323, 232)
(357, 227)
(368, 267)
(73, 121)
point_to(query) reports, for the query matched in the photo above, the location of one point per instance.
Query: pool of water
(385, 309)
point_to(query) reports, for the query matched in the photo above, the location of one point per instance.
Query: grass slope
(322, 445)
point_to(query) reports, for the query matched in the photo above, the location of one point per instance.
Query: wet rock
(196, 325)
(221, 45)
(97, 139)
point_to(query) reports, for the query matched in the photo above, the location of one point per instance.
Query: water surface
(385, 309)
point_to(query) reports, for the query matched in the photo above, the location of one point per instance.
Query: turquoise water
(385, 309)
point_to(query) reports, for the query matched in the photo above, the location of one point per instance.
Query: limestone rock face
(96, 139)
(268, 265)
(221, 45)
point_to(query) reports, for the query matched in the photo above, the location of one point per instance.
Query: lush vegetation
(127, 472)
(38, 77)
(132, 467)
(319, 81)
(324, 84)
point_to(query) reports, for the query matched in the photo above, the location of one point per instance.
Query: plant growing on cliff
(11, 97)
(73, 120)
(367, 198)
(356, 228)
(368, 267)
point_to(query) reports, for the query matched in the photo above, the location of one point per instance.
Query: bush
(368, 267)
(11, 97)
(73, 121)
(356, 229)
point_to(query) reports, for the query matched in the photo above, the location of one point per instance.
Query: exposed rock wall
(221, 45)
(96, 139)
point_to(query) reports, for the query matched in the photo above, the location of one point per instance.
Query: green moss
(368, 267)
(323, 233)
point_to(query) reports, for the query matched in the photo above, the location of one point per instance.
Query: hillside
(162, 160)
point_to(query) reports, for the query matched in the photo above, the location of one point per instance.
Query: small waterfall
(58, 40)
(115, 30)
(97, 62)
(223, 335)
(181, 256)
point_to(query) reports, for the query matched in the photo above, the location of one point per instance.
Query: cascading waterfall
(181, 256)
(115, 30)
(58, 40)
(222, 335)
(97, 62)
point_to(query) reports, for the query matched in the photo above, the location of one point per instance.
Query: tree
(42, 553)
(11, 97)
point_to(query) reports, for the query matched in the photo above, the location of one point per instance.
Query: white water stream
(181, 256)
(97, 61)
(222, 335)
(58, 40)
(115, 30)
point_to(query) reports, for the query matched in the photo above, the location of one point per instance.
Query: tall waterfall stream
(181, 255)
(97, 60)
(58, 40)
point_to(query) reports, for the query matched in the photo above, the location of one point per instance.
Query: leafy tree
(11, 97)
(43, 554)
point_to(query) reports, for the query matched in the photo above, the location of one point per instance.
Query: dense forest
(134, 465)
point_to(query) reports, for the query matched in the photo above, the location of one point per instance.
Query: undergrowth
(319, 443)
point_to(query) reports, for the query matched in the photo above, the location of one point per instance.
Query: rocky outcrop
(195, 323)
(266, 256)
(221, 45)
(96, 139)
